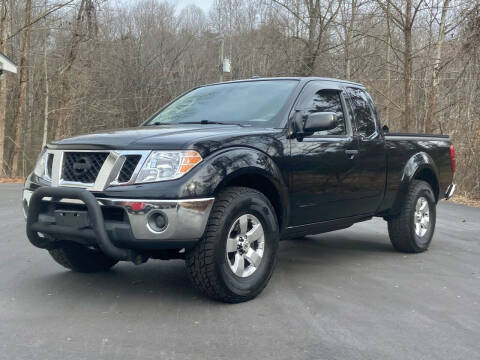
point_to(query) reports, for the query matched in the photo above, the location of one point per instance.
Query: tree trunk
(349, 27)
(3, 86)
(408, 68)
(308, 61)
(63, 125)
(432, 98)
(45, 71)
(387, 61)
(346, 55)
(314, 41)
(23, 87)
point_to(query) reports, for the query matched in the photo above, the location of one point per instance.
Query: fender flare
(417, 163)
(221, 168)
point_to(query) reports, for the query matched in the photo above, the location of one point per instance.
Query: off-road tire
(79, 258)
(206, 262)
(401, 228)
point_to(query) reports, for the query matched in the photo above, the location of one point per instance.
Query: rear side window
(327, 101)
(363, 111)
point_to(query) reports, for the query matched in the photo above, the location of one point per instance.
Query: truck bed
(433, 149)
(416, 135)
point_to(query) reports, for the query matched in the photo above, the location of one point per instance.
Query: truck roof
(300, 78)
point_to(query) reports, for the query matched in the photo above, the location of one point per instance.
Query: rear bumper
(185, 221)
(450, 191)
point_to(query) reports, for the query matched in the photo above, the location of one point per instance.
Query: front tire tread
(200, 261)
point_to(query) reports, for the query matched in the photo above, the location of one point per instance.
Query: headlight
(41, 166)
(167, 165)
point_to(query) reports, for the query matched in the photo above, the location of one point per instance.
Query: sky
(180, 4)
(204, 4)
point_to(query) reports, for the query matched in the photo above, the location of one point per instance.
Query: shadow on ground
(168, 279)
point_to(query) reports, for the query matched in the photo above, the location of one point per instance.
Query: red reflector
(453, 163)
(136, 206)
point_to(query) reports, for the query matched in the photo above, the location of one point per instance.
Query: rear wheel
(80, 258)
(412, 230)
(234, 260)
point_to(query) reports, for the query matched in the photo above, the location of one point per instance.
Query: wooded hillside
(88, 65)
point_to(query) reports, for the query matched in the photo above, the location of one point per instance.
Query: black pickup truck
(219, 175)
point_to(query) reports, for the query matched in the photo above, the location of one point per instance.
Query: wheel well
(262, 184)
(429, 176)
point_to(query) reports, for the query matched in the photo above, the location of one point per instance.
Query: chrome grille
(49, 165)
(129, 166)
(83, 167)
(94, 170)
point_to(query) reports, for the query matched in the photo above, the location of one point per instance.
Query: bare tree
(82, 29)
(3, 83)
(316, 17)
(346, 31)
(19, 120)
(432, 98)
(96, 64)
(47, 92)
(403, 16)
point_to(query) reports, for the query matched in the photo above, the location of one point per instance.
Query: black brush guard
(96, 231)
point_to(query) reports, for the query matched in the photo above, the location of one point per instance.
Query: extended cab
(222, 173)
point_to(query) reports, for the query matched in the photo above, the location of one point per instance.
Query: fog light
(157, 221)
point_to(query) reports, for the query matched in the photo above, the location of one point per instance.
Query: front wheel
(412, 229)
(234, 260)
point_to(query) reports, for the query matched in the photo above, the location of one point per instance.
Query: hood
(203, 138)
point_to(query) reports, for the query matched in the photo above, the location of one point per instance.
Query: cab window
(363, 111)
(327, 100)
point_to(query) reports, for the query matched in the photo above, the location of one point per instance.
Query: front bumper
(186, 219)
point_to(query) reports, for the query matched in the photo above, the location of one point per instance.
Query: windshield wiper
(157, 124)
(209, 122)
(202, 122)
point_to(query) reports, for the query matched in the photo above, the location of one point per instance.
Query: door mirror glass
(320, 121)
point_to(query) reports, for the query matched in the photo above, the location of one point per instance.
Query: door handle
(351, 153)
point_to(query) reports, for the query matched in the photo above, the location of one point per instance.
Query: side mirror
(320, 121)
(385, 129)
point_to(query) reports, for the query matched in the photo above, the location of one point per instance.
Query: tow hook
(138, 259)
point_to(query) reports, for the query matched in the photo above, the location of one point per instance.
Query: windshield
(254, 103)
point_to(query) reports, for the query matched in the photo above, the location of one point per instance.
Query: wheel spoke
(243, 222)
(418, 205)
(422, 216)
(245, 242)
(253, 257)
(231, 245)
(255, 234)
(239, 264)
(423, 205)
(418, 228)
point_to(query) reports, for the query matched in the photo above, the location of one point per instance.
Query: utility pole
(225, 65)
(222, 48)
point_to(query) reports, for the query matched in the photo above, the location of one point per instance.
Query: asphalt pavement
(341, 295)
